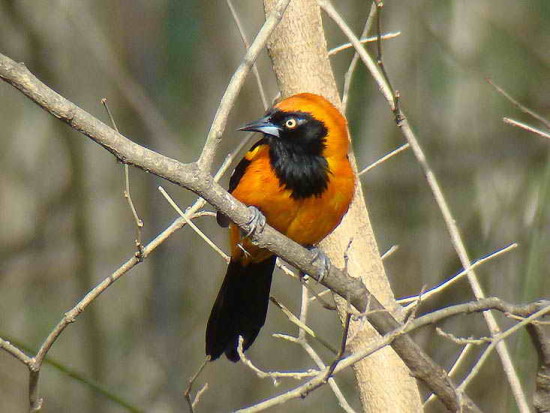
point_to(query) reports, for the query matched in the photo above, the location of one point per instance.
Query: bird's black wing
(236, 176)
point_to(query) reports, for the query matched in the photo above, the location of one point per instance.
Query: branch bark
(540, 336)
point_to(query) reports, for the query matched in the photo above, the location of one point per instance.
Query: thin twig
(273, 375)
(15, 352)
(389, 252)
(526, 127)
(126, 192)
(348, 77)
(303, 327)
(342, 350)
(192, 225)
(363, 40)
(246, 43)
(379, 61)
(436, 290)
(520, 106)
(304, 308)
(194, 377)
(385, 158)
(199, 394)
(233, 88)
(461, 341)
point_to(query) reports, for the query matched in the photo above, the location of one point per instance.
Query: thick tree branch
(191, 177)
(540, 335)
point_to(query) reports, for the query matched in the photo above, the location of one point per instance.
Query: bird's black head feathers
(297, 153)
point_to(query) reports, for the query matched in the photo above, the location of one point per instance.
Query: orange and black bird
(299, 177)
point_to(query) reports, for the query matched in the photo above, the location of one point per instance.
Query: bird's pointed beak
(262, 125)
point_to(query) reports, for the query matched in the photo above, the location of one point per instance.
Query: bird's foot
(256, 222)
(323, 259)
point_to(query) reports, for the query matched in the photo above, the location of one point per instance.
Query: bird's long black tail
(240, 308)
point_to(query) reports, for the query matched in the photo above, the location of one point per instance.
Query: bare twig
(199, 394)
(385, 158)
(15, 352)
(235, 84)
(379, 61)
(345, 46)
(436, 290)
(192, 225)
(127, 194)
(389, 252)
(246, 43)
(462, 341)
(520, 106)
(301, 325)
(348, 77)
(497, 339)
(273, 375)
(526, 127)
(194, 377)
(342, 350)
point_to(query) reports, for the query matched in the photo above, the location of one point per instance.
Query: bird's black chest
(304, 173)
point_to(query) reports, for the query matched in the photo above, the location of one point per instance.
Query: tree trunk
(300, 61)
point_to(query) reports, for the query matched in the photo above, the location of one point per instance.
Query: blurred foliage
(163, 65)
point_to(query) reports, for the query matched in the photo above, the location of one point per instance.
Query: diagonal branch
(235, 84)
(526, 127)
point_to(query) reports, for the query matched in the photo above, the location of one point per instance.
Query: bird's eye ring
(291, 123)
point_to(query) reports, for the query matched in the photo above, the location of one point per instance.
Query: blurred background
(163, 65)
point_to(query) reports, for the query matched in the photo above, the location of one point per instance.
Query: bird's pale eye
(291, 123)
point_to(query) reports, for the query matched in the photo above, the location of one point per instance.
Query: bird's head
(305, 121)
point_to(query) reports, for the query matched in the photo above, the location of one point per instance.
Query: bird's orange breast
(306, 221)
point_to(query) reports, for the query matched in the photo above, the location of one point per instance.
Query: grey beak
(262, 125)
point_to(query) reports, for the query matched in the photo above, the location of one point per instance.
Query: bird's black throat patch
(301, 170)
(304, 174)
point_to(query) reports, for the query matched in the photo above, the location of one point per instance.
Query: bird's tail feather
(240, 308)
